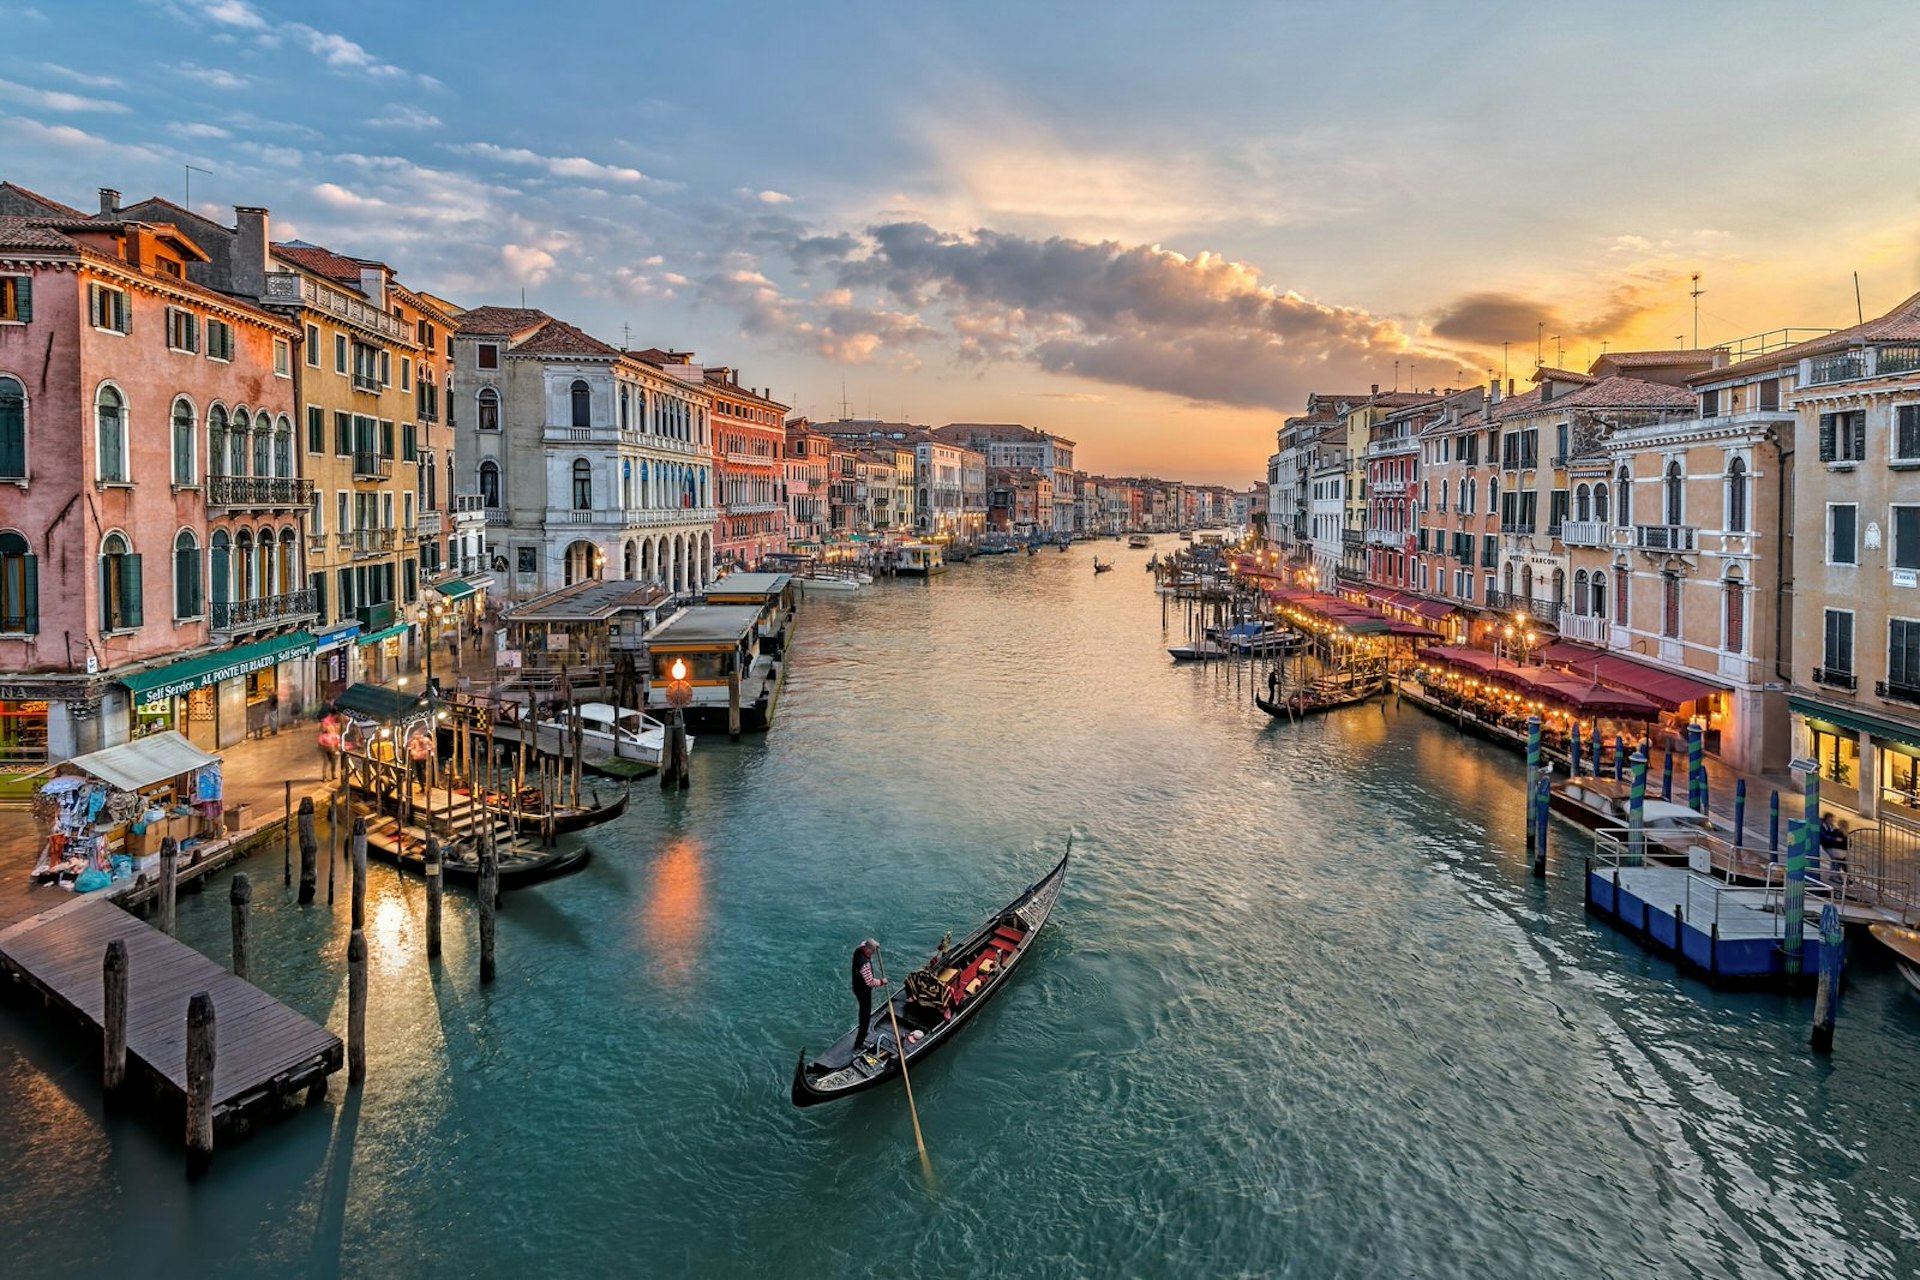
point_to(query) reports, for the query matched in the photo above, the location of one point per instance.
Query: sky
(1151, 228)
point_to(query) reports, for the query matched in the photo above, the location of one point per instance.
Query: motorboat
(1139, 541)
(1199, 651)
(607, 733)
(1905, 945)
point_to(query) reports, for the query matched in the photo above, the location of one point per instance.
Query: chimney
(373, 283)
(248, 263)
(1509, 388)
(1376, 388)
(1493, 391)
(109, 202)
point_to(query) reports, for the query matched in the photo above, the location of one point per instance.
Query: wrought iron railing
(1897, 690)
(371, 466)
(1663, 537)
(263, 611)
(1835, 678)
(258, 491)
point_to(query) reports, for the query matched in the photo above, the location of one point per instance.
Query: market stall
(106, 812)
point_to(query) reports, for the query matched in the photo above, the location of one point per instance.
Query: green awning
(377, 702)
(389, 633)
(1858, 721)
(180, 678)
(456, 589)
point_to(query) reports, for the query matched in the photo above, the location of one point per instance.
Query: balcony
(1897, 691)
(367, 542)
(258, 493)
(366, 381)
(1352, 538)
(1835, 678)
(468, 504)
(237, 616)
(498, 515)
(1586, 627)
(1586, 533)
(429, 525)
(292, 287)
(372, 466)
(1664, 537)
(635, 518)
(1546, 611)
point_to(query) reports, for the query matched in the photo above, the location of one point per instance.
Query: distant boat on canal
(918, 560)
(1139, 541)
(607, 733)
(1905, 945)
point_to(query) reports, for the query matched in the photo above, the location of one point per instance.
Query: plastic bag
(90, 879)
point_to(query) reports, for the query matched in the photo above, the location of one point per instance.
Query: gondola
(1313, 701)
(460, 864)
(1101, 567)
(528, 824)
(970, 973)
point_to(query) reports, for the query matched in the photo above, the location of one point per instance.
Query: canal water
(1301, 1010)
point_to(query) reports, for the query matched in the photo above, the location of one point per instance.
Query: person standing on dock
(863, 985)
(330, 742)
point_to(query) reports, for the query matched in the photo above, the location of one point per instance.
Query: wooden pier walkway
(266, 1053)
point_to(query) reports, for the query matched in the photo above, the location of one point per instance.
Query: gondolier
(864, 983)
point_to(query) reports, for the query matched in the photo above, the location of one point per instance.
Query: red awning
(1669, 689)
(1432, 608)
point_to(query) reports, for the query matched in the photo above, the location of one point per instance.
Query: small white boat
(1202, 651)
(825, 583)
(608, 732)
(1139, 540)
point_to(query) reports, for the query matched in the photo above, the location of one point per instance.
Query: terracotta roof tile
(323, 262)
(1622, 392)
(501, 320)
(32, 233)
(1547, 372)
(558, 338)
(1654, 359)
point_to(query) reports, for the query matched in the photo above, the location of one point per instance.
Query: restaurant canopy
(1667, 688)
(178, 679)
(1562, 688)
(144, 761)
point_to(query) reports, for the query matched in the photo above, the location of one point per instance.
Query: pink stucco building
(148, 490)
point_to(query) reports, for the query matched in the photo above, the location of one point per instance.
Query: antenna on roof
(186, 201)
(1503, 360)
(1559, 352)
(1859, 315)
(1695, 293)
(1539, 343)
(626, 334)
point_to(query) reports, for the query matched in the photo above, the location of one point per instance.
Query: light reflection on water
(1302, 1010)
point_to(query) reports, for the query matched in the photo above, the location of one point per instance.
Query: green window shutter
(31, 594)
(122, 312)
(1826, 437)
(106, 596)
(130, 590)
(342, 434)
(1859, 435)
(23, 300)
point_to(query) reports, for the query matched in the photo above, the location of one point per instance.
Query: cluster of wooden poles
(201, 1048)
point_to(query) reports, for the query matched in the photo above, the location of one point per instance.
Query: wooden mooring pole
(1826, 1001)
(359, 873)
(113, 1019)
(309, 852)
(286, 832)
(489, 894)
(357, 1006)
(200, 1056)
(240, 900)
(169, 882)
(435, 890)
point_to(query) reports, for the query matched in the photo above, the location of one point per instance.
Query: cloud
(525, 264)
(1203, 327)
(342, 54)
(82, 77)
(1488, 319)
(764, 197)
(212, 77)
(404, 116)
(558, 166)
(230, 13)
(66, 138)
(197, 132)
(335, 51)
(55, 100)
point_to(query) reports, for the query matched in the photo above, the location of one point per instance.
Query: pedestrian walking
(273, 711)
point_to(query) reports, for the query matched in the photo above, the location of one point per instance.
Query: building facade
(749, 462)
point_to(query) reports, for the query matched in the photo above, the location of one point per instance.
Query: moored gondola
(569, 819)
(953, 987)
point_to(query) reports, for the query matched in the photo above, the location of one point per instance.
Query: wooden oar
(900, 1047)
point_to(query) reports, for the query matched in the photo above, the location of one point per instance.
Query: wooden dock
(267, 1054)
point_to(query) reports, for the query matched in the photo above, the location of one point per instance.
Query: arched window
(119, 585)
(625, 418)
(110, 417)
(187, 600)
(489, 411)
(1623, 497)
(489, 483)
(1601, 511)
(19, 586)
(216, 441)
(1493, 495)
(186, 434)
(1580, 592)
(1582, 511)
(1675, 489)
(1526, 582)
(1736, 496)
(290, 561)
(1559, 586)
(283, 449)
(220, 566)
(13, 430)
(237, 443)
(1599, 593)
(582, 397)
(582, 485)
(262, 446)
(243, 566)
